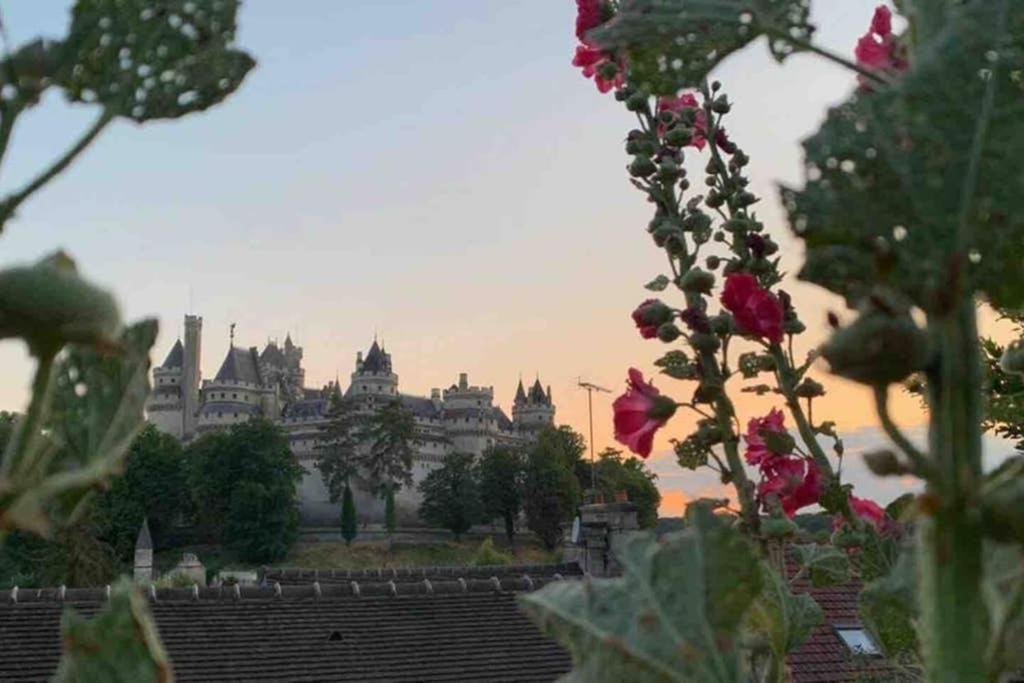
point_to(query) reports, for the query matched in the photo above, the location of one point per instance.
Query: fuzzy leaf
(147, 60)
(895, 174)
(674, 615)
(674, 44)
(826, 565)
(888, 607)
(120, 644)
(780, 618)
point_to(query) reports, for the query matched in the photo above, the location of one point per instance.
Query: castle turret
(164, 406)
(144, 554)
(534, 410)
(237, 392)
(373, 375)
(191, 377)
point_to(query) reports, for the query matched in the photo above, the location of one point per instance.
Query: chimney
(463, 380)
(144, 554)
(600, 524)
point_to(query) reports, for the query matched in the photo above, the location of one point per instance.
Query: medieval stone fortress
(271, 383)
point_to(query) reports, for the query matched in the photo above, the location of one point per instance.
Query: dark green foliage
(120, 644)
(349, 521)
(244, 485)
(154, 486)
(616, 473)
(1004, 413)
(551, 488)
(652, 32)
(500, 472)
(389, 433)
(675, 614)
(338, 454)
(888, 607)
(389, 510)
(451, 495)
(73, 557)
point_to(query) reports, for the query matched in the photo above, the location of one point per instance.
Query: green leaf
(658, 284)
(674, 44)
(918, 184)
(888, 607)
(1004, 592)
(674, 615)
(675, 364)
(96, 411)
(146, 60)
(780, 619)
(120, 643)
(826, 565)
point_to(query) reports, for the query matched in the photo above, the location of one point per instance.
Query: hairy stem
(830, 56)
(917, 458)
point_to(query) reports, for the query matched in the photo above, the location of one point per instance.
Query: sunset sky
(435, 172)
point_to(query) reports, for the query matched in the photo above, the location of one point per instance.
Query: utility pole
(591, 388)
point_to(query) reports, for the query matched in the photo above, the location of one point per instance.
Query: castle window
(234, 395)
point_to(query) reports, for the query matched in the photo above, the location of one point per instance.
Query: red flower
(591, 59)
(649, 316)
(589, 14)
(758, 452)
(757, 311)
(869, 511)
(796, 482)
(878, 49)
(639, 413)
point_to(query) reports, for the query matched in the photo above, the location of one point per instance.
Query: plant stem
(917, 458)
(8, 115)
(954, 621)
(830, 56)
(11, 202)
(784, 375)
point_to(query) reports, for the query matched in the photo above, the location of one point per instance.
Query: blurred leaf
(674, 44)
(1004, 593)
(658, 284)
(674, 615)
(1002, 501)
(782, 619)
(97, 409)
(826, 565)
(893, 174)
(888, 608)
(119, 644)
(152, 60)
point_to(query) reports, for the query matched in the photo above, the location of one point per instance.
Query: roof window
(858, 640)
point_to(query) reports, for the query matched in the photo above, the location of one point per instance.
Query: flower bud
(712, 262)
(624, 93)
(608, 70)
(637, 101)
(1013, 358)
(720, 105)
(642, 166)
(884, 463)
(668, 169)
(722, 324)
(697, 280)
(791, 325)
(705, 342)
(809, 389)
(652, 312)
(878, 348)
(679, 136)
(633, 147)
(668, 332)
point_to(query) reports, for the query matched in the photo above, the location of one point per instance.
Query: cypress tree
(389, 509)
(348, 516)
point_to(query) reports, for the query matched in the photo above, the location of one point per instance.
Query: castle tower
(164, 406)
(533, 410)
(144, 554)
(373, 375)
(191, 374)
(469, 416)
(237, 392)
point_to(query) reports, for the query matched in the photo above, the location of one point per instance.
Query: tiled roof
(468, 630)
(176, 357)
(302, 576)
(240, 366)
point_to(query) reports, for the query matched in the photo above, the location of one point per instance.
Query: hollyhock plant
(869, 511)
(757, 311)
(601, 65)
(758, 452)
(649, 316)
(639, 413)
(795, 481)
(688, 101)
(878, 49)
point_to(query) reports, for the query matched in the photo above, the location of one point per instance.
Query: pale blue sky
(434, 170)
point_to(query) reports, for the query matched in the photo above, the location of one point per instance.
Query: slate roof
(520, 393)
(304, 576)
(240, 365)
(376, 360)
(212, 407)
(537, 394)
(306, 409)
(420, 406)
(502, 419)
(272, 354)
(175, 358)
(468, 630)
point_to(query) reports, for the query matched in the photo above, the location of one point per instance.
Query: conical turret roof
(176, 357)
(520, 393)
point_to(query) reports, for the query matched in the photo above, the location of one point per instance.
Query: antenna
(232, 334)
(591, 388)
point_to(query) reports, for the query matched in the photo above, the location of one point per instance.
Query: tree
(500, 473)
(349, 521)
(338, 445)
(243, 481)
(551, 492)
(451, 495)
(615, 473)
(154, 486)
(388, 462)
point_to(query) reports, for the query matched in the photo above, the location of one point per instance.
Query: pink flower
(589, 14)
(869, 511)
(639, 413)
(650, 315)
(758, 452)
(878, 49)
(591, 59)
(700, 125)
(757, 311)
(795, 481)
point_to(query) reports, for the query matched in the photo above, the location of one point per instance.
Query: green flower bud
(722, 324)
(49, 305)
(704, 342)
(633, 147)
(1013, 358)
(637, 101)
(884, 463)
(721, 105)
(793, 326)
(712, 262)
(668, 332)
(878, 348)
(608, 70)
(679, 136)
(642, 166)
(668, 169)
(809, 389)
(697, 280)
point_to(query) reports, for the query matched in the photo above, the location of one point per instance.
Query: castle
(271, 383)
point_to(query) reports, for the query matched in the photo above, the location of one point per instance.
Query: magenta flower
(795, 481)
(649, 316)
(639, 413)
(869, 511)
(878, 49)
(758, 312)
(758, 452)
(591, 59)
(589, 14)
